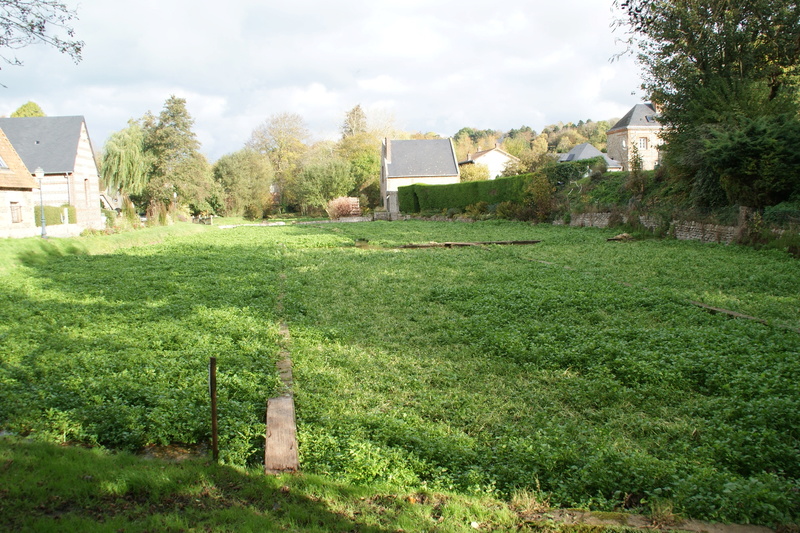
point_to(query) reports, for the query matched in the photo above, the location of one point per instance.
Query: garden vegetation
(575, 369)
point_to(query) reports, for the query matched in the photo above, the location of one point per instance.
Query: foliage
(282, 138)
(322, 183)
(574, 368)
(421, 197)
(355, 122)
(735, 76)
(53, 215)
(28, 109)
(245, 178)
(125, 166)
(338, 208)
(541, 196)
(562, 173)
(474, 172)
(758, 161)
(26, 22)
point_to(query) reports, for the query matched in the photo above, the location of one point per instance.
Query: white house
(406, 162)
(494, 158)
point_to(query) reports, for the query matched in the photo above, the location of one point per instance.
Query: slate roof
(639, 115)
(587, 151)
(421, 158)
(13, 174)
(47, 142)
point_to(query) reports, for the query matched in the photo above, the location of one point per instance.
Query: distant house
(587, 151)
(61, 147)
(494, 158)
(16, 193)
(638, 130)
(431, 161)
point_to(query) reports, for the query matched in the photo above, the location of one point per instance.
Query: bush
(53, 215)
(783, 214)
(422, 197)
(339, 207)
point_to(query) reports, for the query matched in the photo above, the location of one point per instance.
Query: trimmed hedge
(52, 215)
(421, 197)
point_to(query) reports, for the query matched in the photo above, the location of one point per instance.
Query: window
(642, 143)
(3, 163)
(16, 212)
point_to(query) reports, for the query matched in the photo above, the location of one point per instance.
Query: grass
(572, 372)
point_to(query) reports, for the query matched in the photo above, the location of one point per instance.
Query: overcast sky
(433, 65)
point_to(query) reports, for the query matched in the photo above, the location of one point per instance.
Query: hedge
(422, 197)
(52, 215)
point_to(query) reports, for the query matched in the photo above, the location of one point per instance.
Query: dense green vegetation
(575, 369)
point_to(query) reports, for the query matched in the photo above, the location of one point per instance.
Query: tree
(125, 165)
(29, 109)
(25, 22)
(282, 138)
(714, 66)
(245, 178)
(322, 183)
(179, 173)
(355, 122)
(474, 172)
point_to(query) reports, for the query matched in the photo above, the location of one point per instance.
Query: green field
(575, 368)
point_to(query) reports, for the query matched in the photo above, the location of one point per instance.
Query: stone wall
(681, 230)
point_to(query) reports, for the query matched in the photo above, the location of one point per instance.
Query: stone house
(639, 130)
(16, 193)
(61, 147)
(494, 158)
(406, 162)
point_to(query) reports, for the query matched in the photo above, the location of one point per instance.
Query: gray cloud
(434, 65)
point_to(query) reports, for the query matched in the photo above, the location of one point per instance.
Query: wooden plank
(280, 452)
(458, 244)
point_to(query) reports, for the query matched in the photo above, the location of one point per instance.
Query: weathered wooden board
(280, 452)
(456, 244)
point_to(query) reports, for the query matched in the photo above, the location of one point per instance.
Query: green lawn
(575, 369)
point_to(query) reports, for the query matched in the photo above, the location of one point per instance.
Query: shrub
(339, 207)
(53, 216)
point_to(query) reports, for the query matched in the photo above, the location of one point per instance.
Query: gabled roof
(587, 151)
(472, 157)
(47, 142)
(420, 158)
(13, 174)
(640, 115)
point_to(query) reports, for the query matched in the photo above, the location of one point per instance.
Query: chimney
(388, 150)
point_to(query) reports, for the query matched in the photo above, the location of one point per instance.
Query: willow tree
(125, 165)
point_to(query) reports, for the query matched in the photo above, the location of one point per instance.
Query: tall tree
(125, 166)
(26, 22)
(355, 122)
(717, 66)
(245, 177)
(28, 109)
(179, 173)
(282, 138)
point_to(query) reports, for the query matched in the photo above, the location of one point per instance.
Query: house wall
(621, 142)
(24, 201)
(496, 162)
(394, 183)
(85, 185)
